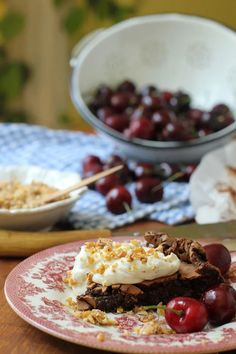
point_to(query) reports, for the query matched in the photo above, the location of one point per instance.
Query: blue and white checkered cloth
(22, 144)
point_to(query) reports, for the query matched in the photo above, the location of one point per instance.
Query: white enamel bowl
(171, 51)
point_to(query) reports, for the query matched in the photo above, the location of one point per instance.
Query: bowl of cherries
(154, 97)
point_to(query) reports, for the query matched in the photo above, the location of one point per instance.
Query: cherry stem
(170, 179)
(127, 207)
(163, 307)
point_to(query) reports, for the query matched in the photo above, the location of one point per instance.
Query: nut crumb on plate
(101, 337)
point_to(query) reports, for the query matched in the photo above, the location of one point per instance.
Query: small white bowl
(45, 216)
(171, 51)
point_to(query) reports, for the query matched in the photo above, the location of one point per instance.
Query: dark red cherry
(152, 102)
(104, 112)
(105, 184)
(195, 115)
(218, 255)
(134, 100)
(141, 111)
(125, 175)
(188, 171)
(149, 190)
(117, 122)
(180, 102)
(166, 96)
(91, 160)
(104, 94)
(220, 108)
(166, 170)
(219, 122)
(118, 200)
(142, 128)
(173, 131)
(161, 118)
(186, 315)
(91, 170)
(149, 90)
(220, 303)
(114, 160)
(126, 86)
(120, 101)
(204, 120)
(143, 169)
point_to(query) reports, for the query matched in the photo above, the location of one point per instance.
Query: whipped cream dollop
(107, 262)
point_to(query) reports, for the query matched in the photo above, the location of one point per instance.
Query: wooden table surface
(18, 337)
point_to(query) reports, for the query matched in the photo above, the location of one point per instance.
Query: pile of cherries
(217, 305)
(147, 177)
(156, 115)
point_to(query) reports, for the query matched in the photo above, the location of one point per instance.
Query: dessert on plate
(109, 275)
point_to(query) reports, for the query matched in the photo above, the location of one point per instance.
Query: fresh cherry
(125, 175)
(149, 90)
(114, 160)
(188, 171)
(165, 170)
(218, 122)
(186, 315)
(103, 94)
(152, 102)
(126, 86)
(120, 101)
(118, 200)
(149, 190)
(141, 111)
(104, 112)
(105, 184)
(219, 256)
(195, 115)
(173, 131)
(180, 102)
(220, 108)
(166, 96)
(161, 118)
(142, 128)
(90, 161)
(117, 122)
(220, 302)
(143, 169)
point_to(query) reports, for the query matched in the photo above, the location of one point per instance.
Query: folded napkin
(22, 144)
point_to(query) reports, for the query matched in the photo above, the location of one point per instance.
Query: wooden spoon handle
(83, 183)
(23, 244)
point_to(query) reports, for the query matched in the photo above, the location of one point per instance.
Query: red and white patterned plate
(36, 292)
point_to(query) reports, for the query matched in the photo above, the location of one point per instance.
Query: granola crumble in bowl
(21, 190)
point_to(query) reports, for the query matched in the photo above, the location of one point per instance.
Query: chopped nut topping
(95, 317)
(101, 337)
(153, 327)
(101, 269)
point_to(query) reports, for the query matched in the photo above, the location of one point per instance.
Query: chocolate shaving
(186, 250)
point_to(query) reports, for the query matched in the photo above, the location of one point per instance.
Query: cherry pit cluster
(148, 180)
(153, 114)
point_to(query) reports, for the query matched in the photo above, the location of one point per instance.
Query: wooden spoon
(84, 182)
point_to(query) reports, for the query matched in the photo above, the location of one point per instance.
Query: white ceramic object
(210, 205)
(44, 216)
(171, 51)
